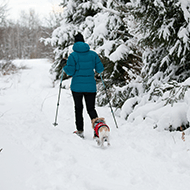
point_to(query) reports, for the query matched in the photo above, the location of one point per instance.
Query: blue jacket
(80, 65)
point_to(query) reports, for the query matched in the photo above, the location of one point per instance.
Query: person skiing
(80, 65)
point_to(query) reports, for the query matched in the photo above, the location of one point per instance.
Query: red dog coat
(98, 126)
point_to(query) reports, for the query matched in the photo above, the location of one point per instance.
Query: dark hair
(79, 38)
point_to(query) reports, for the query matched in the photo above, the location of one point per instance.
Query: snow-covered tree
(63, 36)
(165, 29)
(162, 28)
(106, 33)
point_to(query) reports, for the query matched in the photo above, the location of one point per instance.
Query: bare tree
(21, 39)
(3, 13)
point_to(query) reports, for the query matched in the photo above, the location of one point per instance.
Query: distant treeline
(21, 39)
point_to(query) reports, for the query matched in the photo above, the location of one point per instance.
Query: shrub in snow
(167, 106)
(7, 68)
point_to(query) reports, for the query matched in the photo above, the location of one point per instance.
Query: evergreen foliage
(143, 44)
(103, 27)
(166, 39)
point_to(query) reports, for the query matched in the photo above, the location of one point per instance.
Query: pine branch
(108, 10)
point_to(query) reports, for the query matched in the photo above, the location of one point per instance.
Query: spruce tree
(165, 29)
(104, 30)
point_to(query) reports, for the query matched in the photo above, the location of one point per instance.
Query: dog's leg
(102, 141)
(108, 142)
(98, 141)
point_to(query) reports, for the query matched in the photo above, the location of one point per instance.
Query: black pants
(90, 105)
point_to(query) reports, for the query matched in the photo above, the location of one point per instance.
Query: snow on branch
(108, 10)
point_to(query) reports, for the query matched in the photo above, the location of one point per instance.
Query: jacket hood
(81, 47)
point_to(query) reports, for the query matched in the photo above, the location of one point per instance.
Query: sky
(42, 7)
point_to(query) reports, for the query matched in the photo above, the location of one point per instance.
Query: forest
(21, 38)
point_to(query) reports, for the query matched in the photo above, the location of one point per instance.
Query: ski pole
(109, 101)
(55, 123)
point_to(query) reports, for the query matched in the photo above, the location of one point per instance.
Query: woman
(80, 65)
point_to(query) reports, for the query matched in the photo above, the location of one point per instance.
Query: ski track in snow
(38, 156)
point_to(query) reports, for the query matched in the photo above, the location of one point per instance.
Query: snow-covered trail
(38, 156)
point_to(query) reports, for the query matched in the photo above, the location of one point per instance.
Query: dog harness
(98, 126)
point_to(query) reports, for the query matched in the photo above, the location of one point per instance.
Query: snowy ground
(38, 156)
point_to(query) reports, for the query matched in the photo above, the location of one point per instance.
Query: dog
(101, 131)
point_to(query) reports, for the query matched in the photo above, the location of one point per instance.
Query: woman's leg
(90, 104)
(77, 96)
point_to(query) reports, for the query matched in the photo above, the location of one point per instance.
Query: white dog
(101, 131)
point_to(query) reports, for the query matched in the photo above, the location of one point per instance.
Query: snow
(38, 156)
(119, 53)
(166, 111)
(185, 5)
